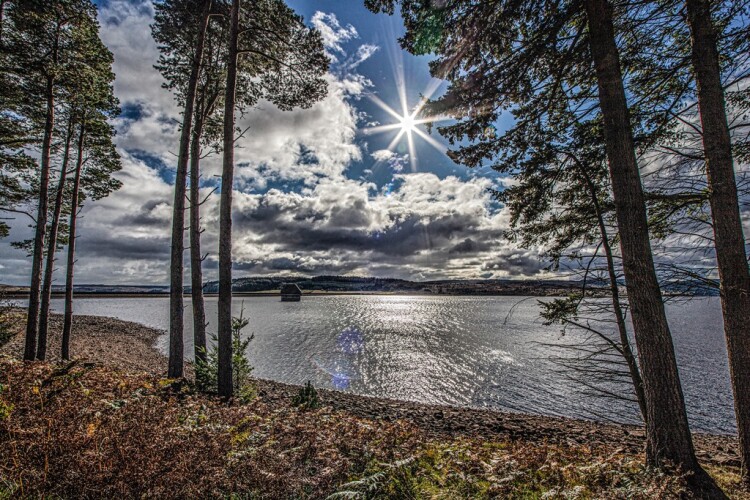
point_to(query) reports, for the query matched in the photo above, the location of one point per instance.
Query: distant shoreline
(333, 285)
(137, 295)
(320, 293)
(315, 293)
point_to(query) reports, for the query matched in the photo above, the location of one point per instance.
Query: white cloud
(364, 52)
(382, 154)
(334, 35)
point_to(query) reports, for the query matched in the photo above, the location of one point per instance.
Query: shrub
(6, 320)
(5, 408)
(8, 489)
(307, 397)
(394, 480)
(206, 372)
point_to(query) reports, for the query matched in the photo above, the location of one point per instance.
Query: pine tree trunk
(196, 259)
(225, 215)
(2, 20)
(667, 433)
(176, 310)
(627, 351)
(727, 223)
(68, 315)
(32, 321)
(41, 349)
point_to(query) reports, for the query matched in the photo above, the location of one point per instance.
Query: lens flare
(351, 341)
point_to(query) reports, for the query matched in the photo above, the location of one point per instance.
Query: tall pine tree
(286, 62)
(180, 29)
(41, 48)
(729, 239)
(528, 56)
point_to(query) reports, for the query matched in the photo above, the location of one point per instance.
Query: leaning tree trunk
(196, 259)
(627, 350)
(41, 349)
(225, 214)
(727, 222)
(32, 321)
(176, 313)
(68, 315)
(668, 436)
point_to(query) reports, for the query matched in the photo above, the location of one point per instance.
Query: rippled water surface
(474, 351)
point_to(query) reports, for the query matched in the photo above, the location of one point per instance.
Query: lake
(491, 352)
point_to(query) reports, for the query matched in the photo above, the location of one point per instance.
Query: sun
(408, 124)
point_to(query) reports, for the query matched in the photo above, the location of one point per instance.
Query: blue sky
(315, 193)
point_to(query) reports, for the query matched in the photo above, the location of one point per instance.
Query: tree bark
(727, 222)
(32, 320)
(68, 316)
(41, 349)
(225, 214)
(196, 259)
(668, 436)
(2, 20)
(627, 351)
(176, 309)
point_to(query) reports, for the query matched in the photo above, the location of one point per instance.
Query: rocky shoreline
(128, 346)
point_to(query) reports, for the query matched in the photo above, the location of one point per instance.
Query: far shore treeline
(626, 139)
(270, 285)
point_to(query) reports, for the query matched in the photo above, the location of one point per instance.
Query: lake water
(471, 351)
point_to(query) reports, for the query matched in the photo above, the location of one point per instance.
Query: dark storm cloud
(298, 264)
(119, 246)
(469, 246)
(153, 213)
(519, 262)
(352, 215)
(405, 237)
(425, 228)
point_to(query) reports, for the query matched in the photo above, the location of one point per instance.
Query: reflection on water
(474, 351)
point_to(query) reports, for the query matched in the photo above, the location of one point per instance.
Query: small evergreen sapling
(307, 397)
(206, 372)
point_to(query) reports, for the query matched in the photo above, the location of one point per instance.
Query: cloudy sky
(316, 191)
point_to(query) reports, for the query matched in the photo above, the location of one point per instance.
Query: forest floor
(109, 425)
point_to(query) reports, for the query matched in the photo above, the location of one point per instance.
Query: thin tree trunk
(727, 223)
(667, 433)
(41, 349)
(68, 316)
(627, 350)
(176, 312)
(196, 259)
(32, 321)
(225, 214)
(2, 19)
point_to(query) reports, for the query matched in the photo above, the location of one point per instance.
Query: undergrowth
(307, 397)
(81, 430)
(7, 320)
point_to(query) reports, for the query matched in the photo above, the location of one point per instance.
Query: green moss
(7, 322)
(5, 410)
(729, 479)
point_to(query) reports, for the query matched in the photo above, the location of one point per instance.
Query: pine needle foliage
(206, 372)
(307, 397)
